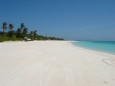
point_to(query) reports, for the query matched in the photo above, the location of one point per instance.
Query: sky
(68, 19)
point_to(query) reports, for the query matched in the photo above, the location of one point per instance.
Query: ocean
(103, 46)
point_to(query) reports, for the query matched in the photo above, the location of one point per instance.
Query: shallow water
(104, 46)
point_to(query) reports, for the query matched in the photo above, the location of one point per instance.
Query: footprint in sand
(110, 62)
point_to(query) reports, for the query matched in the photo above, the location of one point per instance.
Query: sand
(54, 63)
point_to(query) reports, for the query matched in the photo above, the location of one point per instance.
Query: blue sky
(69, 19)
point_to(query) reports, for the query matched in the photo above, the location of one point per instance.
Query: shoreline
(94, 51)
(87, 49)
(82, 48)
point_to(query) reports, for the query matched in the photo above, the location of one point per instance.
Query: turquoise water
(104, 46)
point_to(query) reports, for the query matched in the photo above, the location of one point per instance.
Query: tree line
(9, 34)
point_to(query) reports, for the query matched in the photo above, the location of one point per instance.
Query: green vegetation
(9, 34)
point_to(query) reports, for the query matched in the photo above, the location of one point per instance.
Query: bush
(1, 39)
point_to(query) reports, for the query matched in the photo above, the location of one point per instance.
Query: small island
(22, 33)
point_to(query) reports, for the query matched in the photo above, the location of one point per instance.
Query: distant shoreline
(99, 51)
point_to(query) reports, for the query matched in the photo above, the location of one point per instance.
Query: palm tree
(35, 33)
(22, 26)
(18, 32)
(4, 26)
(11, 26)
(11, 32)
(25, 31)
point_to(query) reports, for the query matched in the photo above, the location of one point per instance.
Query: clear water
(104, 46)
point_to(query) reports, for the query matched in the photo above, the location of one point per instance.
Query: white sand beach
(54, 63)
